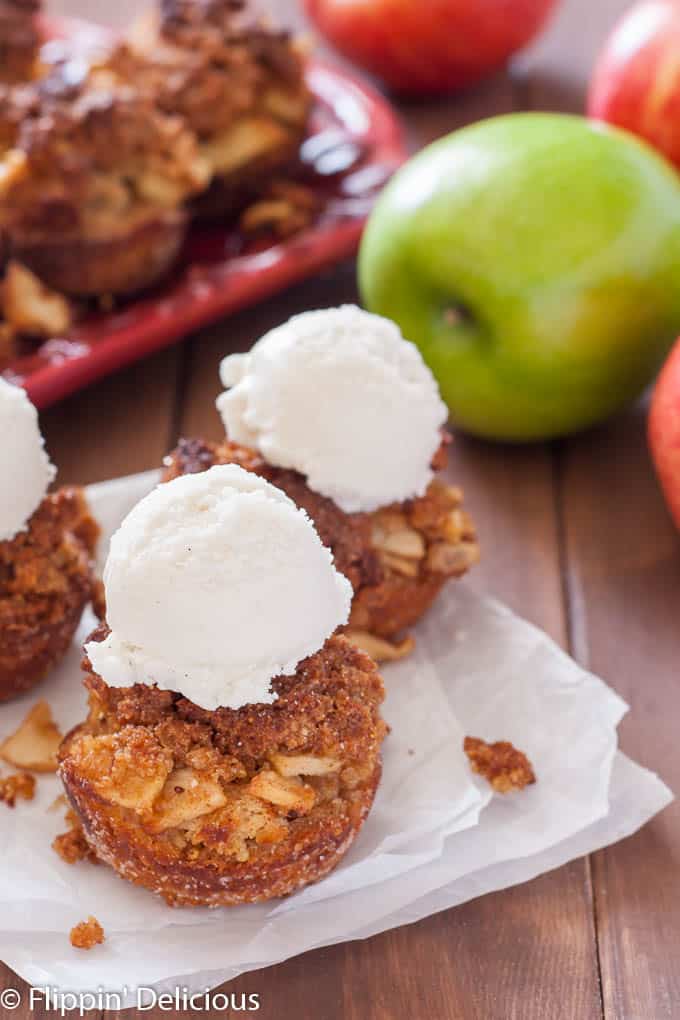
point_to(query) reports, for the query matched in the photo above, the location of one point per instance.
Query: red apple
(429, 46)
(664, 431)
(636, 83)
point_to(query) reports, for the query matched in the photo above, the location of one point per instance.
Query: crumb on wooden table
(20, 785)
(87, 934)
(72, 845)
(501, 764)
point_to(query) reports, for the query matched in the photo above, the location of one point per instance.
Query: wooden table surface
(576, 539)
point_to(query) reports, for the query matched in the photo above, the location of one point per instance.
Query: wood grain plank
(624, 585)
(623, 569)
(118, 426)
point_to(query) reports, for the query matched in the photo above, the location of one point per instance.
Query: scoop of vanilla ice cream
(341, 397)
(216, 583)
(25, 468)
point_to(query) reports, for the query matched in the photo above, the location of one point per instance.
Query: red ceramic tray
(354, 144)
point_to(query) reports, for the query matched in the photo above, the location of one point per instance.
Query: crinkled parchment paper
(435, 837)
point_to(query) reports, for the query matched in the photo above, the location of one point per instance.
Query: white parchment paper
(435, 837)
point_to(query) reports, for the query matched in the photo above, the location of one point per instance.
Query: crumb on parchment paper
(87, 934)
(501, 764)
(19, 785)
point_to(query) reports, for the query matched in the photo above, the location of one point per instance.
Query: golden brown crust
(501, 764)
(396, 559)
(8, 345)
(19, 39)
(232, 806)
(46, 579)
(84, 267)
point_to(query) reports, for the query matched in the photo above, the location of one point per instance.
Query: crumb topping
(501, 764)
(330, 702)
(215, 62)
(46, 579)
(90, 153)
(39, 565)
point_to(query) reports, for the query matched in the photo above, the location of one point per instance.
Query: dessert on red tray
(232, 748)
(102, 157)
(236, 81)
(92, 191)
(47, 541)
(340, 412)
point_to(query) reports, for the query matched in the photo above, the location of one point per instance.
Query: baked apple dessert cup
(339, 411)
(92, 192)
(236, 82)
(230, 806)
(46, 580)
(47, 542)
(232, 747)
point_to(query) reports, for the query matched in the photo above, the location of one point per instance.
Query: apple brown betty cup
(234, 805)
(397, 559)
(235, 80)
(92, 190)
(46, 580)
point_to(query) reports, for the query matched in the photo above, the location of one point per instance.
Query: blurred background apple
(535, 260)
(426, 47)
(664, 431)
(636, 83)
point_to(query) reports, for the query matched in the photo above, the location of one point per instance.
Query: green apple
(535, 260)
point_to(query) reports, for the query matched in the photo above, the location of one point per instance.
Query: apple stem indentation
(455, 315)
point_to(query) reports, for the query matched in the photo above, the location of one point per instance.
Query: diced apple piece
(304, 765)
(35, 744)
(288, 793)
(31, 307)
(379, 648)
(128, 768)
(187, 795)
